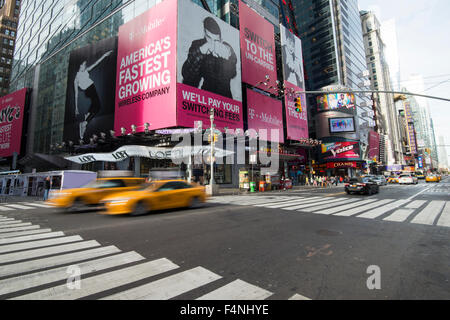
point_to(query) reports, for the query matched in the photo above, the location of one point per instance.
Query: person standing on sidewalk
(46, 188)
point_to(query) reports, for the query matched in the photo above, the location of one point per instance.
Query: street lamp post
(211, 190)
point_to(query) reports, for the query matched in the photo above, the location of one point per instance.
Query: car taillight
(361, 184)
(347, 184)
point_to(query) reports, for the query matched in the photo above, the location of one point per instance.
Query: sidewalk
(10, 199)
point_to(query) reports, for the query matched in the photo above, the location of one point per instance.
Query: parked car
(408, 179)
(393, 179)
(92, 193)
(362, 185)
(432, 178)
(380, 180)
(158, 195)
(420, 175)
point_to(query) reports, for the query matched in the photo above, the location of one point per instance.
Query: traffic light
(298, 105)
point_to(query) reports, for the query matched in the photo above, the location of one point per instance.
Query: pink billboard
(257, 48)
(146, 70)
(374, 145)
(208, 69)
(265, 113)
(296, 122)
(12, 109)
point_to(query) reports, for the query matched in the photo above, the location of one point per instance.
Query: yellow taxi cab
(393, 179)
(432, 178)
(158, 195)
(92, 193)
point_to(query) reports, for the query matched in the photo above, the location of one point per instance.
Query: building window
(7, 32)
(11, 42)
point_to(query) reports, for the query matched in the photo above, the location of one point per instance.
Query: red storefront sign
(342, 165)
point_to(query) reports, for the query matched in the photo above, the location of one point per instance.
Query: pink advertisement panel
(265, 113)
(146, 70)
(195, 104)
(257, 48)
(12, 109)
(340, 150)
(374, 145)
(296, 122)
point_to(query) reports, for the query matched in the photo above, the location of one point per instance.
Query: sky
(424, 48)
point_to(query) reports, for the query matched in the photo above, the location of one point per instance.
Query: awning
(125, 152)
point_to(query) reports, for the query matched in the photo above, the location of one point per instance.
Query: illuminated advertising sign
(12, 109)
(420, 161)
(338, 125)
(340, 150)
(374, 145)
(257, 48)
(341, 165)
(335, 101)
(146, 69)
(208, 69)
(265, 113)
(296, 122)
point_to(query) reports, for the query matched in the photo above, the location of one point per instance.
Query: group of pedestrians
(324, 181)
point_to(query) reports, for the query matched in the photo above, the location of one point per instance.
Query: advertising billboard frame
(338, 132)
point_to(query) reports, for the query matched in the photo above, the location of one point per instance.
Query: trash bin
(262, 186)
(252, 186)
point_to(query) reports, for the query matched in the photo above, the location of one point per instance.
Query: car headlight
(118, 201)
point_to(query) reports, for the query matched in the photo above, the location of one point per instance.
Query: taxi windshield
(93, 184)
(147, 186)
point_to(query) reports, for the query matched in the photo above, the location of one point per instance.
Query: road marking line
(298, 297)
(6, 219)
(6, 230)
(237, 290)
(330, 205)
(18, 206)
(48, 276)
(168, 287)
(11, 221)
(6, 209)
(23, 233)
(32, 237)
(37, 244)
(334, 202)
(34, 265)
(264, 200)
(308, 204)
(429, 213)
(14, 225)
(400, 215)
(37, 253)
(103, 282)
(345, 207)
(415, 204)
(358, 210)
(38, 205)
(412, 197)
(285, 204)
(372, 214)
(444, 220)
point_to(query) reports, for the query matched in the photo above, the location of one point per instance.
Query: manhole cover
(328, 233)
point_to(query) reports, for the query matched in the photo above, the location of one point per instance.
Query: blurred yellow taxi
(92, 193)
(158, 195)
(392, 179)
(432, 178)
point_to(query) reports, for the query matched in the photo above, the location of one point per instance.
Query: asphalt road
(315, 244)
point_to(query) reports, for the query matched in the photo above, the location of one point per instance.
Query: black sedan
(362, 185)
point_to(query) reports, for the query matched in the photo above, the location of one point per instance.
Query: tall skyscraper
(9, 17)
(442, 150)
(389, 35)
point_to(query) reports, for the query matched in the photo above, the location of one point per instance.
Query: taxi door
(106, 188)
(169, 195)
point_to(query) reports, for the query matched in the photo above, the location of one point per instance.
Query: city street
(304, 244)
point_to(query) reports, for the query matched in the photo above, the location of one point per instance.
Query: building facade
(9, 17)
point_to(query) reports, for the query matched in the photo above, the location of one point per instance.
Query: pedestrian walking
(46, 188)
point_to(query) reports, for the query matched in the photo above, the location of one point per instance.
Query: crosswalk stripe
(444, 220)
(168, 287)
(103, 282)
(357, 210)
(11, 221)
(283, 204)
(237, 290)
(263, 200)
(18, 206)
(36, 279)
(372, 214)
(5, 209)
(415, 204)
(13, 225)
(308, 204)
(298, 297)
(32, 237)
(28, 266)
(37, 244)
(429, 213)
(23, 233)
(346, 206)
(313, 205)
(400, 215)
(330, 205)
(35, 253)
(40, 205)
(6, 219)
(6, 230)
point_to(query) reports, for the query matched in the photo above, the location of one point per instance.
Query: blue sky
(423, 48)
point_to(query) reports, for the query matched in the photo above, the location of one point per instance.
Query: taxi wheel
(140, 209)
(195, 203)
(77, 205)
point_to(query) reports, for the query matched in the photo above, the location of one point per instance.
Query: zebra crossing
(23, 206)
(425, 212)
(37, 264)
